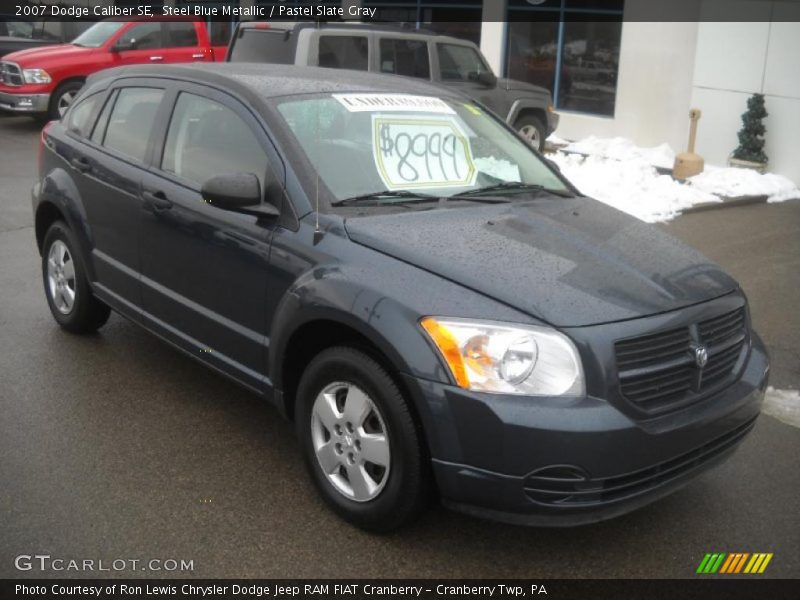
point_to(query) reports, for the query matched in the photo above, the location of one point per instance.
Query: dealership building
(631, 68)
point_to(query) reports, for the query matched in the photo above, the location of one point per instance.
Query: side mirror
(237, 192)
(124, 46)
(484, 78)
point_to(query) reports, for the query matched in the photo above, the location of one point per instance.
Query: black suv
(395, 270)
(451, 62)
(22, 35)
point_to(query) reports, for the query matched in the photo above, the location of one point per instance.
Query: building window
(458, 18)
(570, 47)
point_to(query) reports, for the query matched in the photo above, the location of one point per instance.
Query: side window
(182, 34)
(344, 52)
(131, 121)
(80, 119)
(206, 138)
(52, 31)
(142, 37)
(405, 57)
(460, 63)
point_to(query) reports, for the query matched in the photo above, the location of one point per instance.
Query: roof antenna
(316, 201)
(508, 59)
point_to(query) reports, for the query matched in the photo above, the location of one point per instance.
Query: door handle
(158, 200)
(81, 164)
(199, 56)
(156, 58)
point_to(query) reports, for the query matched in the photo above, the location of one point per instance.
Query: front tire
(532, 131)
(62, 99)
(66, 285)
(359, 440)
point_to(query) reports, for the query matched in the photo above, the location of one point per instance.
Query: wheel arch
(324, 329)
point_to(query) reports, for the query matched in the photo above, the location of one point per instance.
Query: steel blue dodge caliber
(429, 301)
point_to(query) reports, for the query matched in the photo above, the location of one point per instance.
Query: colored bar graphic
(703, 563)
(764, 564)
(734, 563)
(718, 563)
(741, 562)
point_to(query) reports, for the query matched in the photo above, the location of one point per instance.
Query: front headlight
(489, 356)
(36, 76)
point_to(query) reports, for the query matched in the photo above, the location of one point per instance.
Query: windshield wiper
(404, 194)
(513, 186)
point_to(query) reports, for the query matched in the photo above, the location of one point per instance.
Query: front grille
(567, 486)
(659, 371)
(11, 74)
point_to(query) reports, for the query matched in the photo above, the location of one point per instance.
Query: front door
(204, 269)
(142, 43)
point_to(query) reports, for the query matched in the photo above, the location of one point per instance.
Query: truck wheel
(359, 440)
(66, 286)
(532, 130)
(62, 98)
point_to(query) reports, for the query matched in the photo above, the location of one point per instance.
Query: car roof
(355, 26)
(273, 81)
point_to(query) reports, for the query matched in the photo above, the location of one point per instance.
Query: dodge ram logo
(700, 356)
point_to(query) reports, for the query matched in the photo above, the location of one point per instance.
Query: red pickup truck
(43, 81)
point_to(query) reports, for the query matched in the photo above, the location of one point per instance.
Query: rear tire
(62, 99)
(66, 285)
(532, 130)
(340, 384)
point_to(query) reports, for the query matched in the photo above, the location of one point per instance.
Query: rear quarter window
(81, 117)
(263, 45)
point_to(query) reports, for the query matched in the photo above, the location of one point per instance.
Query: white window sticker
(421, 152)
(393, 102)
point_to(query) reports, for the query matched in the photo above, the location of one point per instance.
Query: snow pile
(783, 405)
(620, 148)
(623, 175)
(733, 183)
(632, 186)
(557, 141)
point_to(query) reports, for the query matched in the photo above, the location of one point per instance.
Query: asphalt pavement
(116, 446)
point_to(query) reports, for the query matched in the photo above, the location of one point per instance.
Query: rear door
(204, 269)
(109, 167)
(186, 41)
(403, 56)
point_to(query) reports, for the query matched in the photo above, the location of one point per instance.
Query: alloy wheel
(350, 441)
(531, 134)
(65, 101)
(61, 277)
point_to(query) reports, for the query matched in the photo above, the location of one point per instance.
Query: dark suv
(451, 62)
(395, 270)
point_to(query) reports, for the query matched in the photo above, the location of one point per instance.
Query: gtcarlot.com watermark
(47, 563)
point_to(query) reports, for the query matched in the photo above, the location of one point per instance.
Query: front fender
(368, 311)
(523, 104)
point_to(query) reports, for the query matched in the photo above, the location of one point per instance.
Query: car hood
(521, 86)
(567, 261)
(29, 56)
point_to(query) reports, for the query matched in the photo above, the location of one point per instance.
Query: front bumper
(561, 462)
(24, 103)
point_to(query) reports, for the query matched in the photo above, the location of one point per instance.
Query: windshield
(98, 34)
(396, 145)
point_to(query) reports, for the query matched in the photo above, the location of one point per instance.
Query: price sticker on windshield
(422, 152)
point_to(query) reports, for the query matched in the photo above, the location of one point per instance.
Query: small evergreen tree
(751, 135)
